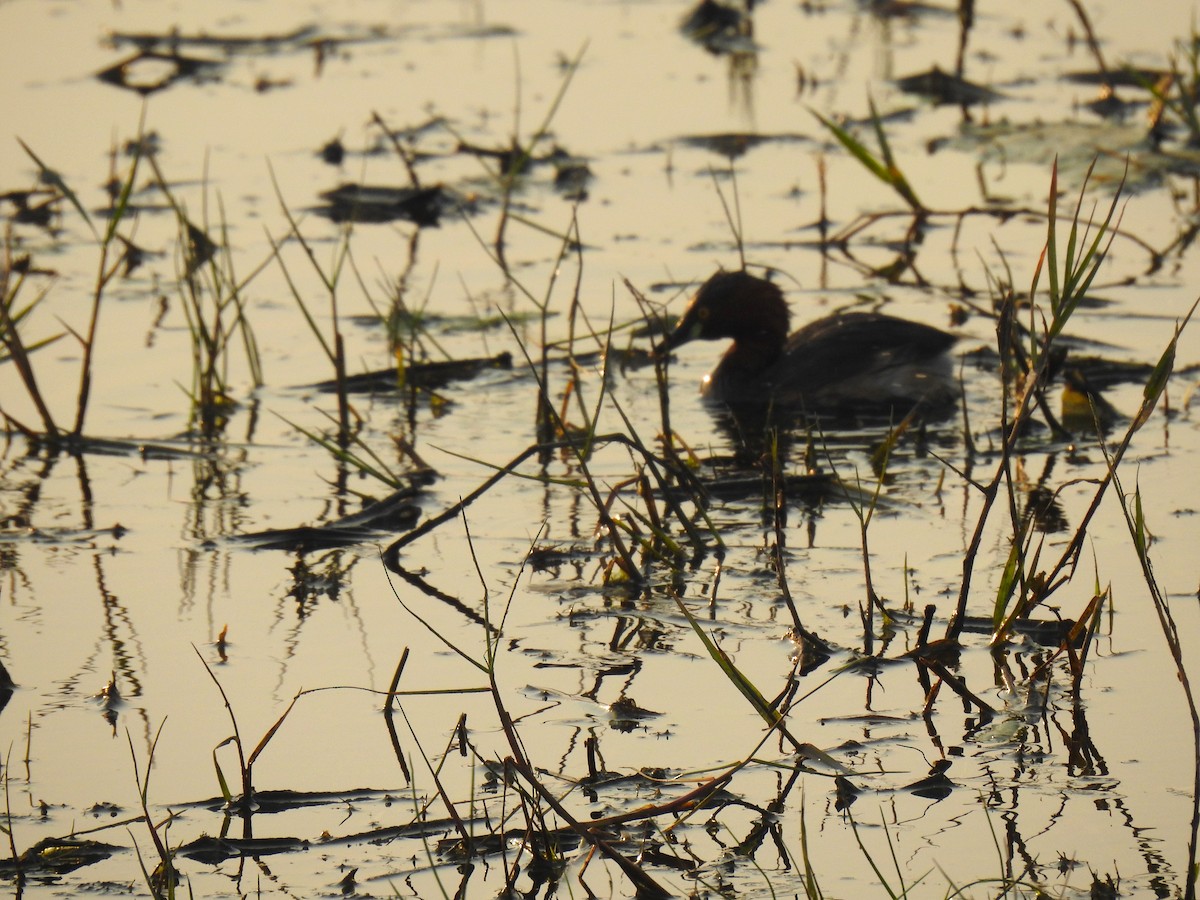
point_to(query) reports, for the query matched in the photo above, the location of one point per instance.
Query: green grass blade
(1008, 584)
(1052, 237)
(856, 149)
(885, 170)
(1157, 382)
(226, 794)
(896, 178)
(747, 689)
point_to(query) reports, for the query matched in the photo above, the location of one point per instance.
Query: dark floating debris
(428, 376)
(143, 146)
(57, 856)
(378, 204)
(455, 850)
(513, 160)
(945, 652)
(38, 207)
(132, 256)
(214, 850)
(1045, 633)
(149, 71)
(201, 248)
(333, 152)
(264, 83)
(1108, 105)
(625, 715)
(310, 539)
(1084, 408)
(159, 61)
(571, 173)
(394, 513)
(171, 41)
(284, 800)
(548, 559)
(944, 88)
(1101, 373)
(717, 28)
(1125, 76)
(846, 792)
(810, 487)
(572, 176)
(937, 786)
(735, 144)
(903, 9)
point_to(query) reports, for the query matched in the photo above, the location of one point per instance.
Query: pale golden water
(122, 564)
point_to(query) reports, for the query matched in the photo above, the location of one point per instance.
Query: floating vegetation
(388, 515)
(426, 375)
(735, 145)
(149, 71)
(718, 27)
(299, 38)
(377, 204)
(572, 176)
(58, 856)
(941, 87)
(1124, 76)
(39, 207)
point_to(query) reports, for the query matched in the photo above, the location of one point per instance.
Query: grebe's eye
(702, 313)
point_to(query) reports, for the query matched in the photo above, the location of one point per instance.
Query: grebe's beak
(687, 329)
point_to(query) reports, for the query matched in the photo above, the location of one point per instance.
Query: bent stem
(245, 763)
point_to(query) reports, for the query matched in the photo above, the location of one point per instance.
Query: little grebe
(843, 362)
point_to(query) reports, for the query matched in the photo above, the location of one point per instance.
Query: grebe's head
(733, 305)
